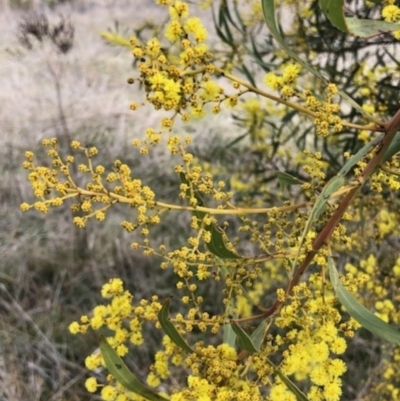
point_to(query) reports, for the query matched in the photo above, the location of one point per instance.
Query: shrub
(310, 185)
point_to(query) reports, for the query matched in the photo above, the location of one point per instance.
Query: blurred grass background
(50, 271)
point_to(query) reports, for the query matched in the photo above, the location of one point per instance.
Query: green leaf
(367, 28)
(250, 76)
(225, 6)
(117, 367)
(289, 384)
(245, 342)
(170, 329)
(286, 179)
(357, 311)
(258, 335)
(362, 153)
(116, 39)
(332, 186)
(223, 23)
(394, 148)
(220, 24)
(390, 152)
(229, 336)
(269, 16)
(217, 244)
(363, 28)
(236, 140)
(333, 10)
(253, 344)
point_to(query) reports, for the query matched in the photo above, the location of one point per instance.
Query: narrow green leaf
(220, 23)
(286, 179)
(390, 152)
(258, 335)
(217, 244)
(244, 340)
(363, 28)
(229, 336)
(289, 384)
(362, 153)
(236, 140)
(257, 56)
(117, 367)
(240, 28)
(248, 74)
(223, 23)
(170, 329)
(269, 16)
(115, 39)
(393, 148)
(367, 28)
(332, 186)
(357, 311)
(333, 10)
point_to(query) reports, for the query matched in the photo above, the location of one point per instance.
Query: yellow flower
(328, 332)
(273, 81)
(319, 375)
(338, 345)
(153, 48)
(96, 322)
(74, 328)
(194, 26)
(227, 351)
(279, 392)
(92, 362)
(113, 287)
(75, 144)
(391, 13)
(179, 10)
(137, 338)
(369, 108)
(153, 380)
(24, 206)
(336, 367)
(290, 73)
(91, 384)
(315, 394)
(333, 391)
(173, 31)
(320, 352)
(108, 393)
(211, 91)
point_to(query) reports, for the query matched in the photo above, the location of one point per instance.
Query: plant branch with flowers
(268, 255)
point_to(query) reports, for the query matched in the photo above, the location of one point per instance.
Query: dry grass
(51, 272)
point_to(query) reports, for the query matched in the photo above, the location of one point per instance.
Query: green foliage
(367, 319)
(123, 375)
(169, 328)
(334, 11)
